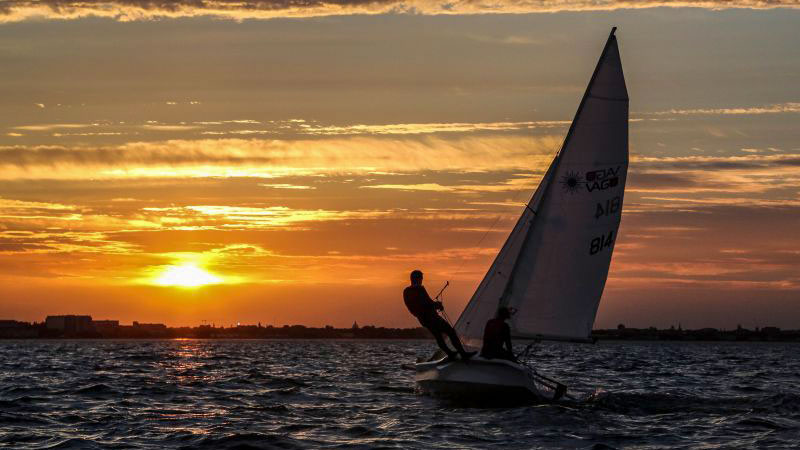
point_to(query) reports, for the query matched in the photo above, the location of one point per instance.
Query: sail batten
(554, 264)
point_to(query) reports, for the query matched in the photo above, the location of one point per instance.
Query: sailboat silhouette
(553, 267)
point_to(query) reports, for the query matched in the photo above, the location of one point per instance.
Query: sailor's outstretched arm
(429, 301)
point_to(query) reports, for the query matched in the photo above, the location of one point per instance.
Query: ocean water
(355, 394)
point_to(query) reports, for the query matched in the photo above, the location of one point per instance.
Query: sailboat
(553, 267)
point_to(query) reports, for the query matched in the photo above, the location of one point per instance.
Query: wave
(248, 441)
(262, 394)
(400, 389)
(670, 402)
(26, 420)
(75, 443)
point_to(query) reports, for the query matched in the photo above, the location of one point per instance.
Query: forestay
(553, 267)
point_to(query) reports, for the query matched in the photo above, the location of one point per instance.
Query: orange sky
(307, 165)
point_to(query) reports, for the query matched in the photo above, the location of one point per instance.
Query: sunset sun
(186, 275)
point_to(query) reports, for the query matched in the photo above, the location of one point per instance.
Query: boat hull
(479, 380)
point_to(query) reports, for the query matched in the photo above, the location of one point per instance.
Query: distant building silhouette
(157, 327)
(70, 324)
(14, 329)
(106, 326)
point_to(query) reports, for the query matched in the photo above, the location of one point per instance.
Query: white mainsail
(553, 267)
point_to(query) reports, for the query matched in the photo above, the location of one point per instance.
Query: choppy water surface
(294, 394)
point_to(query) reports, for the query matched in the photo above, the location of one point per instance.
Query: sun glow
(186, 275)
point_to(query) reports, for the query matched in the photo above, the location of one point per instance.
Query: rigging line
(499, 216)
(486, 233)
(480, 241)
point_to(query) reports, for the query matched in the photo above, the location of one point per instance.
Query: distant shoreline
(83, 327)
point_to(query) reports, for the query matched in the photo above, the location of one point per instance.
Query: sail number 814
(601, 242)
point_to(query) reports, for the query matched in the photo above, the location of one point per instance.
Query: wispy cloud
(6, 204)
(49, 242)
(281, 129)
(170, 127)
(435, 187)
(269, 158)
(777, 108)
(275, 216)
(749, 161)
(513, 184)
(427, 128)
(53, 126)
(300, 187)
(129, 10)
(295, 128)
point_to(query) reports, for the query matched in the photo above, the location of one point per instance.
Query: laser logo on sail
(602, 179)
(571, 182)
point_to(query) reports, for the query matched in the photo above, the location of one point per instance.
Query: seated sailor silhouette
(497, 337)
(424, 308)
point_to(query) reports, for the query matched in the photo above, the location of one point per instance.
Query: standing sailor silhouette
(424, 308)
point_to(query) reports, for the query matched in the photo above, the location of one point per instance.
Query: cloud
(715, 246)
(130, 10)
(435, 187)
(21, 210)
(427, 128)
(40, 227)
(169, 127)
(505, 40)
(737, 175)
(686, 202)
(20, 215)
(222, 122)
(275, 216)
(61, 241)
(513, 184)
(777, 108)
(292, 128)
(53, 126)
(750, 161)
(286, 186)
(270, 158)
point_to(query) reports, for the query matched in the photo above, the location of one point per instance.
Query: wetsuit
(420, 304)
(497, 340)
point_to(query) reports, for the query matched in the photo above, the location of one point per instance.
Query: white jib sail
(554, 265)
